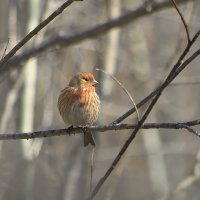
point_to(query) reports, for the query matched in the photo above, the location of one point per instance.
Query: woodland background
(160, 164)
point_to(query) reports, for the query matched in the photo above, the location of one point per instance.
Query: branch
(19, 45)
(104, 128)
(93, 32)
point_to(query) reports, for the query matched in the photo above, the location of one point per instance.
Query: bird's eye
(85, 79)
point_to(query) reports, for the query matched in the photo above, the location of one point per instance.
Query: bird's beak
(94, 82)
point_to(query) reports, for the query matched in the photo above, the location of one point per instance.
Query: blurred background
(159, 164)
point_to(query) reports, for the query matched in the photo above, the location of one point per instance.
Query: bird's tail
(88, 137)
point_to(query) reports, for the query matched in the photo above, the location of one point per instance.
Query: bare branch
(103, 128)
(44, 23)
(65, 41)
(183, 20)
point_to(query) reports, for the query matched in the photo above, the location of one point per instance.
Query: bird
(79, 104)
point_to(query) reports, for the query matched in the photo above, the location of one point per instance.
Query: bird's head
(82, 80)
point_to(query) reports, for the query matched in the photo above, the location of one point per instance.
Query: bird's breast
(80, 107)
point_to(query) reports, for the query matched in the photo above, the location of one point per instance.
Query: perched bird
(79, 103)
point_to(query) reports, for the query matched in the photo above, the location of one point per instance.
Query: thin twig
(125, 90)
(183, 20)
(34, 32)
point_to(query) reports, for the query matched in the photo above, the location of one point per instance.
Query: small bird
(79, 103)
